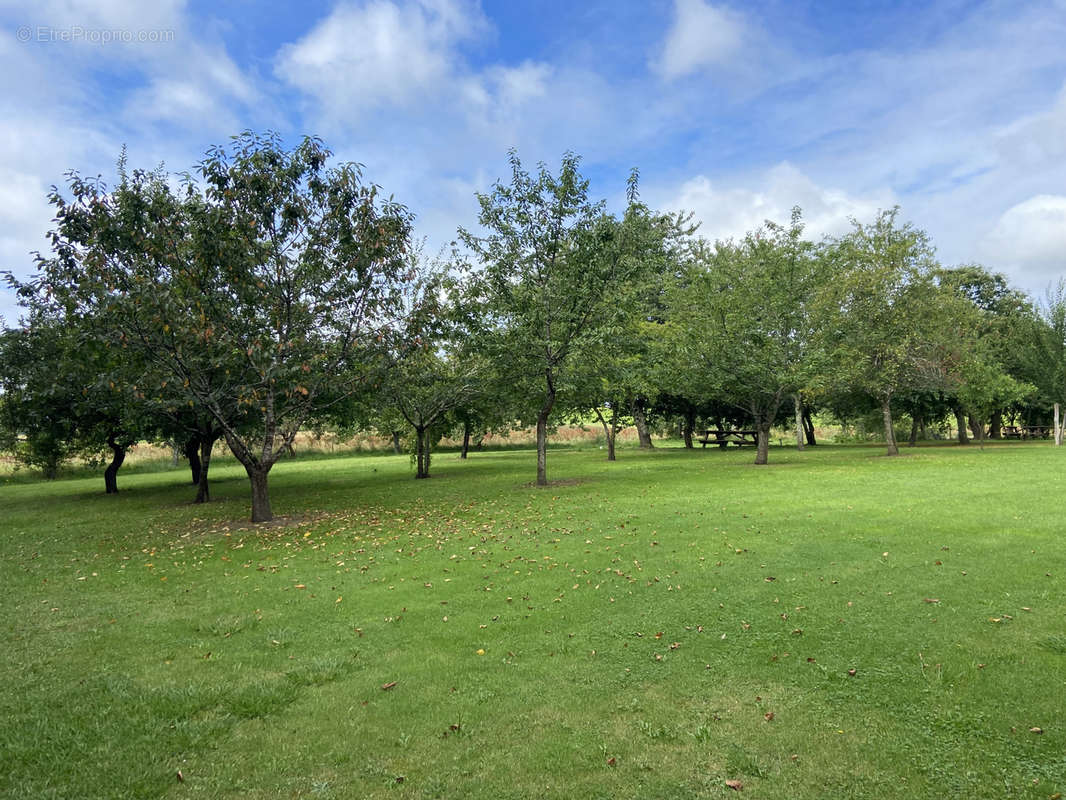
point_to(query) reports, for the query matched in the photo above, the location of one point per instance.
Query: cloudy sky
(736, 111)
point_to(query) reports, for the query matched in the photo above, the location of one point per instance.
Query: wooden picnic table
(722, 437)
(1026, 431)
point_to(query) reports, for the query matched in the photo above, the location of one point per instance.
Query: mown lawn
(837, 624)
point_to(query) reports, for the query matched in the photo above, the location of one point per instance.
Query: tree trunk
(762, 440)
(890, 432)
(118, 455)
(808, 427)
(466, 440)
(421, 453)
(689, 425)
(960, 424)
(191, 452)
(642, 424)
(977, 428)
(1058, 428)
(995, 425)
(608, 433)
(542, 432)
(203, 493)
(260, 495)
(396, 443)
(799, 421)
(913, 441)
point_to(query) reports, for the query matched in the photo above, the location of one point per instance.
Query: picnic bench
(1026, 431)
(723, 437)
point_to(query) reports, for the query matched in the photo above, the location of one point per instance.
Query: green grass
(639, 622)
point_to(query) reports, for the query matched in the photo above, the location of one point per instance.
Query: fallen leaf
(768, 716)
(181, 778)
(1036, 730)
(931, 600)
(386, 686)
(611, 761)
(735, 785)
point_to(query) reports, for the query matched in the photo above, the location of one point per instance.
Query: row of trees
(271, 292)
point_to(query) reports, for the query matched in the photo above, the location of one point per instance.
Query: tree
(35, 408)
(744, 318)
(551, 264)
(425, 386)
(994, 319)
(66, 394)
(264, 292)
(881, 314)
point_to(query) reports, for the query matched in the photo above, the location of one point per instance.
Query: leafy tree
(744, 317)
(39, 430)
(551, 265)
(264, 291)
(881, 314)
(424, 387)
(66, 394)
(996, 320)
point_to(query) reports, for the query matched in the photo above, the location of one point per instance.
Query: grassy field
(676, 624)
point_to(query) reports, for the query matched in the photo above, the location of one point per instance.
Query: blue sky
(954, 110)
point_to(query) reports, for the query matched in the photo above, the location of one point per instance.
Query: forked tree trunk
(641, 422)
(203, 492)
(609, 432)
(191, 450)
(799, 420)
(118, 455)
(688, 427)
(960, 424)
(466, 440)
(808, 427)
(542, 431)
(890, 432)
(421, 453)
(977, 428)
(396, 443)
(257, 471)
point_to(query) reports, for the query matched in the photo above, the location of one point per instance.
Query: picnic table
(1026, 431)
(722, 437)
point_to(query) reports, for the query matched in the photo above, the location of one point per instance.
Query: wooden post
(1058, 427)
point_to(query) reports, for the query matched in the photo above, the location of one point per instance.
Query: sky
(735, 111)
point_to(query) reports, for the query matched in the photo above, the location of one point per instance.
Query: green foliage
(264, 292)
(550, 272)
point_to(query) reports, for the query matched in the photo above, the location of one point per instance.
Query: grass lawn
(838, 624)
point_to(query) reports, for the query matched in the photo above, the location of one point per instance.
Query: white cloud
(702, 35)
(732, 211)
(1030, 238)
(381, 53)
